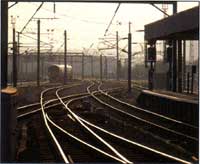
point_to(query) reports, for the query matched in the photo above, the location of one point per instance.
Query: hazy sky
(84, 22)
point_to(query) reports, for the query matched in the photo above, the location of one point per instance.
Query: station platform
(191, 98)
(180, 106)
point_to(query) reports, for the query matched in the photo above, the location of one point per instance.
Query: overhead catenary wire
(12, 5)
(112, 19)
(32, 17)
(160, 9)
(36, 39)
(73, 17)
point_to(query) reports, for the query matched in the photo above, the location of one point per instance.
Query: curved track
(144, 148)
(77, 138)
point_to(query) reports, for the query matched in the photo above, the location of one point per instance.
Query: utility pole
(83, 66)
(71, 65)
(65, 57)
(14, 61)
(100, 67)
(18, 54)
(179, 66)
(129, 58)
(38, 54)
(184, 65)
(117, 49)
(8, 97)
(188, 82)
(42, 66)
(174, 58)
(32, 63)
(4, 47)
(92, 66)
(106, 68)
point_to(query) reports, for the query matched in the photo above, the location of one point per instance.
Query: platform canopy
(180, 26)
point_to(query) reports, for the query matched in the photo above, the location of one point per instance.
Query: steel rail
(56, 104)
(134, 143)
(144, 110)
(136, 84)
(143, 120)
(48, 127)
(124, 139)
(91, 131)
(27, 106)
(83, 142)
(37, 103)
(46, 123)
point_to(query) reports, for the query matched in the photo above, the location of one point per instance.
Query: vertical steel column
(179, 66)
(169, 59)
(38, 54)
(184, 65)
(100, 66)
(192, 83)
(129, 59)
(65, 56)
(117, 49)
(151, 70)
(8, 97)
(26, 66)
(71, 62)
(188, 82)
(42, 66)
(92, 66)
(4, 43)
(4, 70)
(32, 64)
(18, 55)
(106, 68)
(174, 63)
(174, 58)
(83, 66)
(14, 71)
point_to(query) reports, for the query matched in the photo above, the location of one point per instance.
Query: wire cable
(112, 19)
(12, 5)
(32, 17)
(35, 39)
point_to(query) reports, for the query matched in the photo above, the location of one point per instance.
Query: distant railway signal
(151, 51)
(169, 54)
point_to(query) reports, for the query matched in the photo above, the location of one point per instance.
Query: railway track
(88, 134)
(76, 138)
(173, 131)
(142, 151)
(186, 156)
(179, 127)
(44, 148)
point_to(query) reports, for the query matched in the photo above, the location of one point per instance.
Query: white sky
(85, 22)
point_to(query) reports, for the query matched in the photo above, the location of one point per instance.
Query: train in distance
(56, 72)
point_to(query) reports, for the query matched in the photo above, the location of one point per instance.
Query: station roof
(180, 26)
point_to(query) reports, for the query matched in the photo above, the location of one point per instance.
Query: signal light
(169, 54)
(151, 54)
